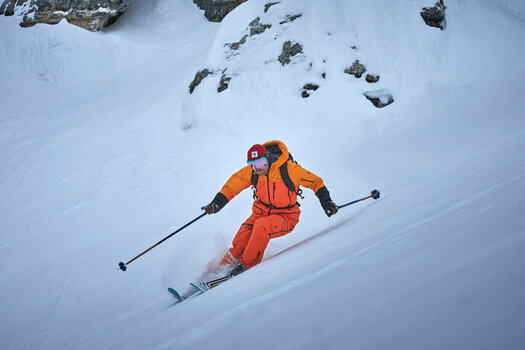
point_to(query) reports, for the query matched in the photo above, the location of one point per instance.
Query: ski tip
(175, 293)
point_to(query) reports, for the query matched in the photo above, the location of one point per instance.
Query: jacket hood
(278, 148)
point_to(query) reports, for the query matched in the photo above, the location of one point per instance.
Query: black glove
(216, 204)
(329, 207)
(212, 208)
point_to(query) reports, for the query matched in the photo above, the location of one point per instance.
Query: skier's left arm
(309, 180)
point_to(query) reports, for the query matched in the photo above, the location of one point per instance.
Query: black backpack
(283, 169)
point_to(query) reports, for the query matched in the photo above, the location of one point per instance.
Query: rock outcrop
(371, 78)
(237, 45)
(216, 10)
(88, 14)
(289, 50)
(199, 77)
(435, 16)
(357, 69)
(270, 4)
(379, 98)
(290, 18)
(308, 87)
(266, 30)
(255, 28)
(258, 28)
(223, 84)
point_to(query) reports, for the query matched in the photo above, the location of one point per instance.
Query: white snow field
(104, 152)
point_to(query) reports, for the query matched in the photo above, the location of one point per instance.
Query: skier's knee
(262, 227)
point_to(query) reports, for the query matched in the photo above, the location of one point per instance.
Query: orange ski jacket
(271, 190)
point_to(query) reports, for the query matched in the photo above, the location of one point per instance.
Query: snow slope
(104, 152)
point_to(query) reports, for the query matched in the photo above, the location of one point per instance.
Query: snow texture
(104, 152)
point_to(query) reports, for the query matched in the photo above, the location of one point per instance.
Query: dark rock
(255, 28)
(379, 98)
(8, 7)
(237, 45)
(435, 16)
(199, 77)
(258, 28)
(88, 14)
(310, 86)
(216, 10)
(268, 5)
(289, 50)
(323, 75)
(223, 84)
(357, 69)
(290, 18)
(370, 78)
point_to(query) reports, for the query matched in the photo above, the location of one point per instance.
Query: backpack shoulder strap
(283, 169)
(255, 179)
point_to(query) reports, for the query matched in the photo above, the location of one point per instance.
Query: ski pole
(123, 266)
(374, 194)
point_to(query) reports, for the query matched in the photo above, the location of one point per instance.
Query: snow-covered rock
(435, 16)
(88, 14)
(215, 10)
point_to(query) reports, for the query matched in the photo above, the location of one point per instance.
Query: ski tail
(205, 286)
(216, 282)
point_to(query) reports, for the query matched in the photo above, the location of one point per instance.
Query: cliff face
(94, 14)
(88, 14)
(216, 10)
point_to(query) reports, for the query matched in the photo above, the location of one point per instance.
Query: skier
(275, 210)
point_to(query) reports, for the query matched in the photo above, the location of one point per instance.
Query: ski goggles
(259, 163)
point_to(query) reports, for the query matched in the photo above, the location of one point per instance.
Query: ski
(175, 294)
(181, 298)
(205, 286)
(200, 287)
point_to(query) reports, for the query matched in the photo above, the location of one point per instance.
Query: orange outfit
(275, 211)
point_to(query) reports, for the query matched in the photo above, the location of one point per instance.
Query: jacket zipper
(268, 186)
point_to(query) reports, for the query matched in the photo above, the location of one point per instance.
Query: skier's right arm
(235, 184)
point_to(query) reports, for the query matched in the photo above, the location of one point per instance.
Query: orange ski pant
(254, 234)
